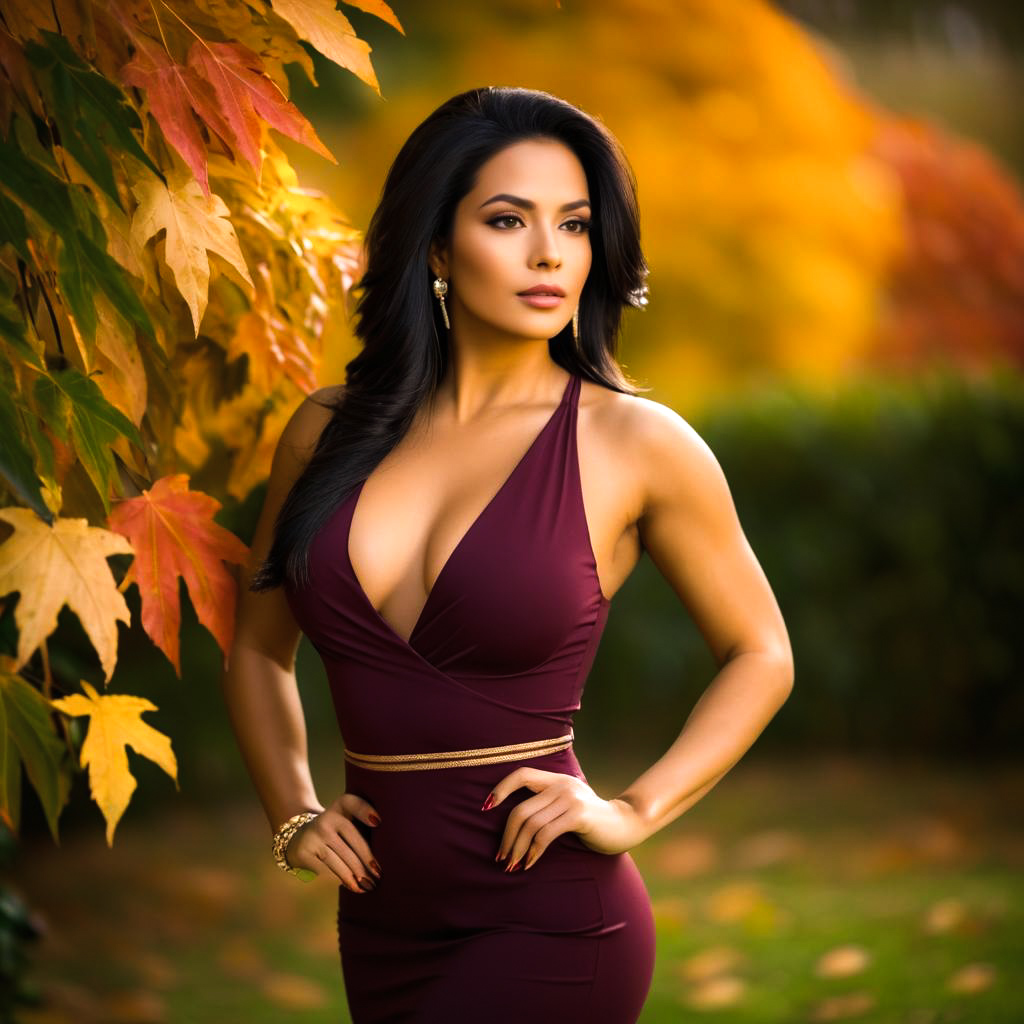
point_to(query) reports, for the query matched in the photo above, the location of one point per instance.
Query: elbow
(782, 672)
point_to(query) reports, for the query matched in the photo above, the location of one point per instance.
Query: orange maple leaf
(174, 535)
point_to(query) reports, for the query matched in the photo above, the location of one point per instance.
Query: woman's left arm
(690, 529)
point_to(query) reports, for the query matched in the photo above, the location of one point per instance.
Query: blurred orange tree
(164, 284)
(793, 227)
(768, 223)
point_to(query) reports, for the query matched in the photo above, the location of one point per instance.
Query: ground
(816, 889)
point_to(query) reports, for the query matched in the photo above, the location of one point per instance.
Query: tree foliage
(164, 284)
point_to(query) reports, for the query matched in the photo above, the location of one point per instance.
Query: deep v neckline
(481, 515)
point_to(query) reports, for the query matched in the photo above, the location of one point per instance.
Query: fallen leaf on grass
(945, 916)
(842, 961)
(714, 960)
(716, 992)
(972, 978)
(734, 901)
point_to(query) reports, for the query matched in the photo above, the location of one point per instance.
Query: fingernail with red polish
(512, 866)
(375, 867)
(374, 820)
(488, 803)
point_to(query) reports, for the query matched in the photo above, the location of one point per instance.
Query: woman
(449, 528)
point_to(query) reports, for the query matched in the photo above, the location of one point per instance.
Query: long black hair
(405, 351)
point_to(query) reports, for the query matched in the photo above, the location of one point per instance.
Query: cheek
(484, 264)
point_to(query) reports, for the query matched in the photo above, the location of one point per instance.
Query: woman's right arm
(261, 691)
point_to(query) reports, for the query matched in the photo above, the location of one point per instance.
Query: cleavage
(410, 572)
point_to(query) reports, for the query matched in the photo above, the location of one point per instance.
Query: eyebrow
(527, 204)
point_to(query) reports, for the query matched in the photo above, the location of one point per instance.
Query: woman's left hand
(563, 803)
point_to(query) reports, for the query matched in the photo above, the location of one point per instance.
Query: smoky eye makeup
(582, 222)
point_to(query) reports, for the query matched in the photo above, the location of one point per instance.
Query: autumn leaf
(379, 8)
(65, 563)
(114, 362)
(74, 408)
(194, 223)
(271, 342)
(173, 533)
(318, 22)
(115, 723)
(28, 738)
(91, 113)
(177, 94)
(246, 94)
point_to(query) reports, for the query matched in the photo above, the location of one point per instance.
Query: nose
(545, 253)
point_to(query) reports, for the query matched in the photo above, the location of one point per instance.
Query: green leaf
(83, 267)
(75, 409)
(92, 114)
(16, 464)
(34, 185)
(84, 264)
(13, 228)
(28, 737)
(12, 327)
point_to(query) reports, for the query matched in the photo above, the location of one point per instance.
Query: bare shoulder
(659, 452)
(294, 448)
(306, 424)
(304, 427)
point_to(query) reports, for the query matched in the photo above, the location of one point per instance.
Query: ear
(438, 260)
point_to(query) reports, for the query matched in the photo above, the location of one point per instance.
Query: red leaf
(246, 93)
(177, 94)
(173, 533)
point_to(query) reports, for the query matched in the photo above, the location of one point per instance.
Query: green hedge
(889, 520)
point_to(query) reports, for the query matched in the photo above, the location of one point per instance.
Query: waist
(458, 758)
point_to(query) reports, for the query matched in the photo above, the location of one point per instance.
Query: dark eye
(504, 216)
(582, 225)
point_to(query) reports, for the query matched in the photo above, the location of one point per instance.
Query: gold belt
(457, 758)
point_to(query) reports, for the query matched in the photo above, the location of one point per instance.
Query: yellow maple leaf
(194, 223)
(65, 563)
(115, 723)
(320, 23)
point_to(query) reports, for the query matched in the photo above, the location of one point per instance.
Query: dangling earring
(576, 325)
(441, 290)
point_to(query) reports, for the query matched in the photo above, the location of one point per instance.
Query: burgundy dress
(499, 655)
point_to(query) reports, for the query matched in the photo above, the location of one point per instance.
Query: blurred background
(833, 217)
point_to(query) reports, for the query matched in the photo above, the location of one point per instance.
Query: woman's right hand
(332, 839)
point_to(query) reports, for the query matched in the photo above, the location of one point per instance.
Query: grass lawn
(820, 889)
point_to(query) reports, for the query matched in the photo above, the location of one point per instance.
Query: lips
(544, 289)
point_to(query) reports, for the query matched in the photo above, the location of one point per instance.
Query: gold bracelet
(283, 836)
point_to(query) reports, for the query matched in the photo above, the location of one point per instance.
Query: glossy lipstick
(543, 296)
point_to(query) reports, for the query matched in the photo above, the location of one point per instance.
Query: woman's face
(525, 223)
